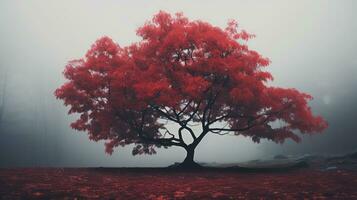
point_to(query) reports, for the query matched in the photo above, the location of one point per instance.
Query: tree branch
(193, 113)
(183, 125)
(186, 106)
(165, 114)
(252, 119)
(138, 127)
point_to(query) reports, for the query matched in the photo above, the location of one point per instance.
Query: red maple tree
(182, 72)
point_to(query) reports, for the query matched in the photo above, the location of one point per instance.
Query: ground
(103, 183)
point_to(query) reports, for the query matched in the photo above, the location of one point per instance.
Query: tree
(3, 95)
(182, 72)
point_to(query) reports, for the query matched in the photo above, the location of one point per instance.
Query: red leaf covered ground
(56, 183)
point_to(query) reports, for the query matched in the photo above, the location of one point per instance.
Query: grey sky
(312, 46)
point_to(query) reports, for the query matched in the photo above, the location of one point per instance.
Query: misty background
(312, 46)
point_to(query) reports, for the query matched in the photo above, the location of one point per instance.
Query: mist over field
(312, 46)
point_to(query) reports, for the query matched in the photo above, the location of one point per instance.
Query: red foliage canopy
(184, 72)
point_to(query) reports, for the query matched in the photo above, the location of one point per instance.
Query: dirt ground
(104, 183)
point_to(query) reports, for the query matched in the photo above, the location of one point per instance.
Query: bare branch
(193, 113)
(250, 124)
(186, 106)
(183, 125)
(218, 119)
(165, 114)
(219, 132)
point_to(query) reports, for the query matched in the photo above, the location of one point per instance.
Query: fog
(312, 46)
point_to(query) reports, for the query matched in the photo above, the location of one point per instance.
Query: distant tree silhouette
(3, 85)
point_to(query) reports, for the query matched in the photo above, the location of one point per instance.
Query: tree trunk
(189, 160)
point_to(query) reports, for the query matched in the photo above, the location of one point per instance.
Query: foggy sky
(312, 46)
